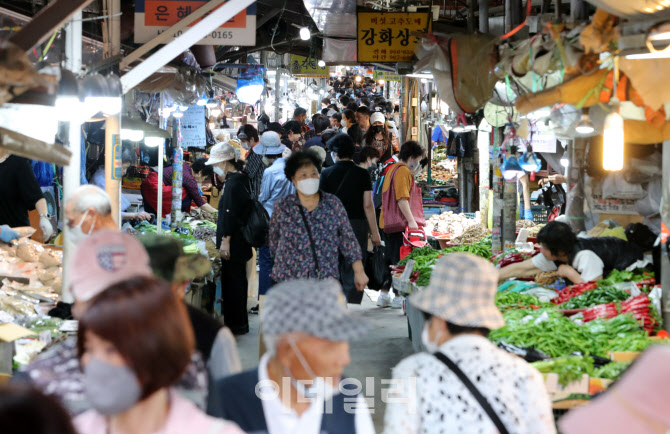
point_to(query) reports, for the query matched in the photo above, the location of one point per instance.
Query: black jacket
(234, 208)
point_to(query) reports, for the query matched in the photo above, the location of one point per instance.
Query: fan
(498, 116)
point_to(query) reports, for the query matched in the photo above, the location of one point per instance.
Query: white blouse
(442, 404)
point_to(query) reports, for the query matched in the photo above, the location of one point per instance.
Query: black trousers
(361, 231)
(234, 288)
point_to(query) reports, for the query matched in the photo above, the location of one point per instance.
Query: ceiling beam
(165, 36)
(46, 22)
(190, 37)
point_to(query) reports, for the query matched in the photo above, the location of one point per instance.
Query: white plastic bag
(615, 187)
(650, 205)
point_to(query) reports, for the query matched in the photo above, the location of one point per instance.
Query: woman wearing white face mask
(310, 229)
(464, 383)
(234, 207)
(128, 382)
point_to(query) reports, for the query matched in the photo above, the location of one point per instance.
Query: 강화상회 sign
(387, 37)
(153, 17)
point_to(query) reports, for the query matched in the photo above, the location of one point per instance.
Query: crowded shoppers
(310, 229)
(378, 137)
(321, 124)
(20, 193)
(363, 114)
(101, 260)
(234, 207)
(351, 184)
(463, 375)
(336, 122)
(213, 340)
(369, 158)
(275, 187)
(88, 210)
(131, 357)
(294, 389)
(401, 201)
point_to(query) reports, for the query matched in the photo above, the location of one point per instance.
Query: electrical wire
(274, 31)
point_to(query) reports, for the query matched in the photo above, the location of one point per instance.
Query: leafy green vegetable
(611, 371)
(515, 300)
(480, 249)
(569, 369)
(619, 276)
(596, 296)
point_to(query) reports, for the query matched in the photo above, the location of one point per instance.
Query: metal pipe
(471, 16)
(161, 151)
(484, 16)
(113, 147)
(71, 172)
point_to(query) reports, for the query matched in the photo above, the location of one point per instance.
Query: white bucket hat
(270, 144)
(377, 117)
(462, 291)
(220, 153)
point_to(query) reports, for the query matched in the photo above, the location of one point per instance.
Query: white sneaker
(384, 299)
(397, 302)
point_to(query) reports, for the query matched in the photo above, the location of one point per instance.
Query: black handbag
(377, 269)
(255, 230)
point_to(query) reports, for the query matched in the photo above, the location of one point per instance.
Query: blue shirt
(314, 141)
(438, 135)
(275, 185)
(99, 180)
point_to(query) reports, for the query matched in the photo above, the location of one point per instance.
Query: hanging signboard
(386, 75)
(153, 17)
(387, 37)
(301, 66)
(193, 128)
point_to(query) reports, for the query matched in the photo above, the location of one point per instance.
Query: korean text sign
(153, 17)
(303, 67)
(387, 37)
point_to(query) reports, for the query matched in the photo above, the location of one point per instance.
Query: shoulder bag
(311, 240)
(394, 220)
(453, 367)
(255, 230)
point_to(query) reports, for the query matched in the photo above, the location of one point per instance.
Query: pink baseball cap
(104, 259)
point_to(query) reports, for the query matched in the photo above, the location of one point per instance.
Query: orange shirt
(403, 184)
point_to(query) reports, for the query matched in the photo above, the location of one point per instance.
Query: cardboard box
(557, 391)
(624, 356)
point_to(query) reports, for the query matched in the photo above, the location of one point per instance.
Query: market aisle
(373, 356)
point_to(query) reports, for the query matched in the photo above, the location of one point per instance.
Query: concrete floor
(371, 358)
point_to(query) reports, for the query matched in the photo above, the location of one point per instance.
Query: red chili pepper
(646, 282)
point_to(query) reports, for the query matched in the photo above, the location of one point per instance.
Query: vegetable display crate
(540, 214)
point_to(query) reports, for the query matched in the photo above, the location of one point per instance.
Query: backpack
(255, 230)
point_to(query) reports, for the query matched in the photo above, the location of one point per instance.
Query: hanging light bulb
(132, 134)
(613, 139)
(178, 114)
(321, 64)
(381, 81)
(584, 126)
(305, 34)
(358, 79)
(565, 162)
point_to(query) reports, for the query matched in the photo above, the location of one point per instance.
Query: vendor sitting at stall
(576, 259)
(190, 191)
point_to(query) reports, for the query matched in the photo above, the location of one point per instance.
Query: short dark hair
(298, 160)
(455, 329)
(356, 133)
(299, 111)
(558, 237)
(334, 107)
(325, 101)
(321, 123)
(292, 126)
(26, 409)
(199, 166)
(250, 131)
(364, 110)
(131, 314)
(274, 126)
(337, 117)
(409, 150)
(344, 100)
(350, 115)
(369, 152)
(343, 145)
(324, 111)
(365, 102)
(353, 106)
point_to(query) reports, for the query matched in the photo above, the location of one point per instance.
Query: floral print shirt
(290, 245)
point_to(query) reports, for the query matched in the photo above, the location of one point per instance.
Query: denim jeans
(265, 264)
